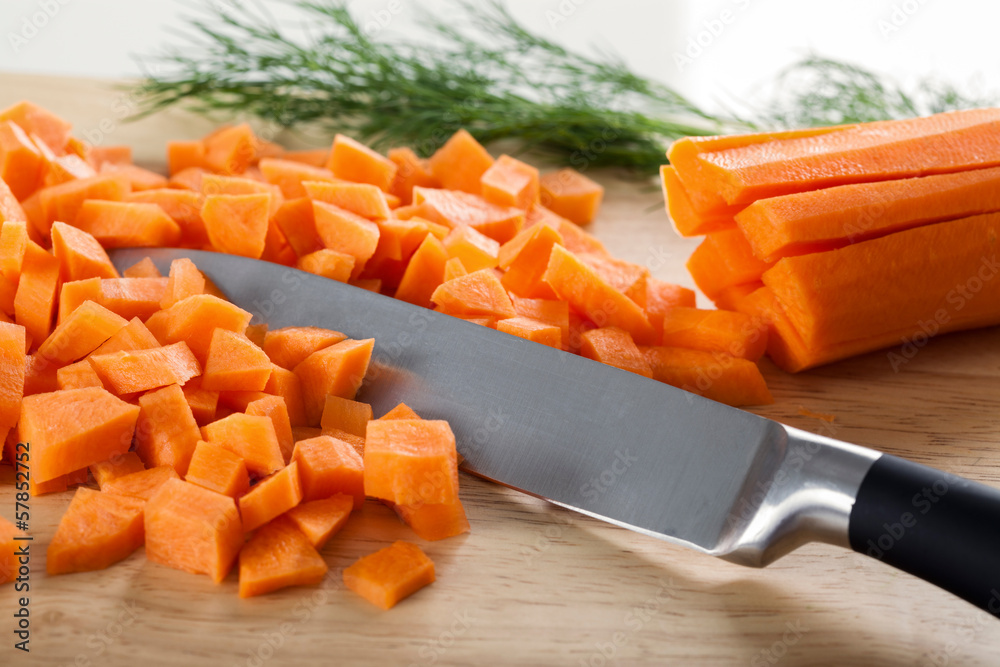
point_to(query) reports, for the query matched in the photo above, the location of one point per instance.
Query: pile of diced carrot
(491, 241)
(209, 439)
(846, 239)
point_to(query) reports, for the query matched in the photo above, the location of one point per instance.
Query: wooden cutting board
(533, 583)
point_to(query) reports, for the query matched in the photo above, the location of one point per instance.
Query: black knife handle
(937, 526)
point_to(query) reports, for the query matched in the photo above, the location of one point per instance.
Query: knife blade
(630, 450)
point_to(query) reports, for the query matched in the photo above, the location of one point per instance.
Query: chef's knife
(633, 451)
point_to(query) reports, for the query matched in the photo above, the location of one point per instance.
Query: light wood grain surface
(536, 584)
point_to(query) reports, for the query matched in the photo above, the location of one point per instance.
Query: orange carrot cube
(328, 466)
(572, 195)
(96, 531)
(391, 574)
(252, 438)
(218, 469)
(338, 370)
(193, 529)
(411, 461)
(277, 556)
(270, 497)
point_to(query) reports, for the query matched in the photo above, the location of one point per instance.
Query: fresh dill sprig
(818, 91)
(484, 71)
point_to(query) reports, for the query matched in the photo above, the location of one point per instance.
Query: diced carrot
(37, 120)
(166, 432)
(256, 333)
(331, 264)
(144, 268)
(13, 244)
(411, 461)
(720, 377)
(274, 408)
(203, 402)
(533, 330)
(270, 497)
(289, 346)
(551, 312)
(661, 297)
(460, 163)
(119, 154)
(410, 171)
(317, 157)
(306, 432)
(133, 336)
(346, 414)
(116, 466)
(572, 195)
(235, 364)
(252, 438)
(401, 411)
(72, 429)
(21, 163)
(82, 332)
(424, 272)
(218, 184)
(183, 206)
(391, 574)
(338, 370)
(63, 168)
(231, 150)
(185, 280)
(454, 268)
(615, 347)
(183, 155)
(319, 520)
(40, 375)
(218, 469)
(118, 224)
(296, 221)
(129, 371)
(357, 442)
(346, 232)
(64, 202)
(34, 301)
(455, 208)
(57, 485)
(587, 292)
(353, 161)
(8, 294)
(434, 522)
(80, 254)
(193, 529)
(477, 251)
(10, 207)
(628, 278)
(735, 334)
(277, 556)
(143, 484)
(286, 384)
(195, 319)
(96, 531)
(290, 175)
(724, 259)
(525, 258)
(188, 179)
(12, 369)
(237, 224)
(361, 199)
(138, 178)
(77, 376)
(687, 221)
(329, 466)
(477, 294)
(510, 182)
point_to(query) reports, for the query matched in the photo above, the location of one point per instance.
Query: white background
(955, 40)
